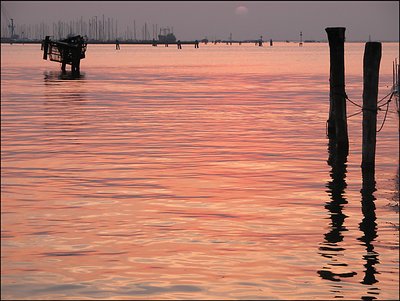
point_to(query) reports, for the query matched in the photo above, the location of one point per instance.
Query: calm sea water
(196, 173)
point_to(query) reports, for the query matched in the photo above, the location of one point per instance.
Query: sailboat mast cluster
(96, 29)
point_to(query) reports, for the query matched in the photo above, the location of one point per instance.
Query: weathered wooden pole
(337, 122)
(46, 47)
(372, 59)
(64, 60)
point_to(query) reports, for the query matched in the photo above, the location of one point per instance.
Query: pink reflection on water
(193, 174)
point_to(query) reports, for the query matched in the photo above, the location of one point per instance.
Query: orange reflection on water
(197, 174)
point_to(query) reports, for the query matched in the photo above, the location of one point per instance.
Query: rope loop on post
(374, 110)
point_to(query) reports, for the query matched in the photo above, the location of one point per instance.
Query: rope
(375, 110)
(390, 93)
(346, 97)
(357, 105)
(366, 109)
(354, 114)
(390, 99)
(384, 119)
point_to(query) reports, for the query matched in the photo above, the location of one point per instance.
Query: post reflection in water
(62, 75)
(331, 246)
(64, 87)
(368, 227)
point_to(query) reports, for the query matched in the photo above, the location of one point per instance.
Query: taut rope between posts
(387, 110)
(387, 103)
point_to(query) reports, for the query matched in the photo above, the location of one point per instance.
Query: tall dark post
(372, 59)
(337, 122)
(76, 59)
(45, 47)
(64, 60)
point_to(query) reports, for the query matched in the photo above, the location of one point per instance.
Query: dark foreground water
(198, 173)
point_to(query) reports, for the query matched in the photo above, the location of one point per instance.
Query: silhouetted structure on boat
(67, 51)
(166, 36)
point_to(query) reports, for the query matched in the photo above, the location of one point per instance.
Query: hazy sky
(278, 20)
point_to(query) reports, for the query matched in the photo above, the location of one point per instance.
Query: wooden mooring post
(371, 63)
(45, 47)
(337, 122)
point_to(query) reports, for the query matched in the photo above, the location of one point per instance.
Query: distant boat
(166, 36)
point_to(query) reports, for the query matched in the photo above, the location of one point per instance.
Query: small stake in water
(301, 39)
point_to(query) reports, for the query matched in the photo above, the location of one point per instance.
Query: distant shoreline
(7, 41)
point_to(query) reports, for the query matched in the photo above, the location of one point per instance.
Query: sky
(278, 20)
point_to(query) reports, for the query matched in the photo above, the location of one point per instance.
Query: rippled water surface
(196, 173)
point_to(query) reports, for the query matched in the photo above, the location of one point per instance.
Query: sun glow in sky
(241, 10)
